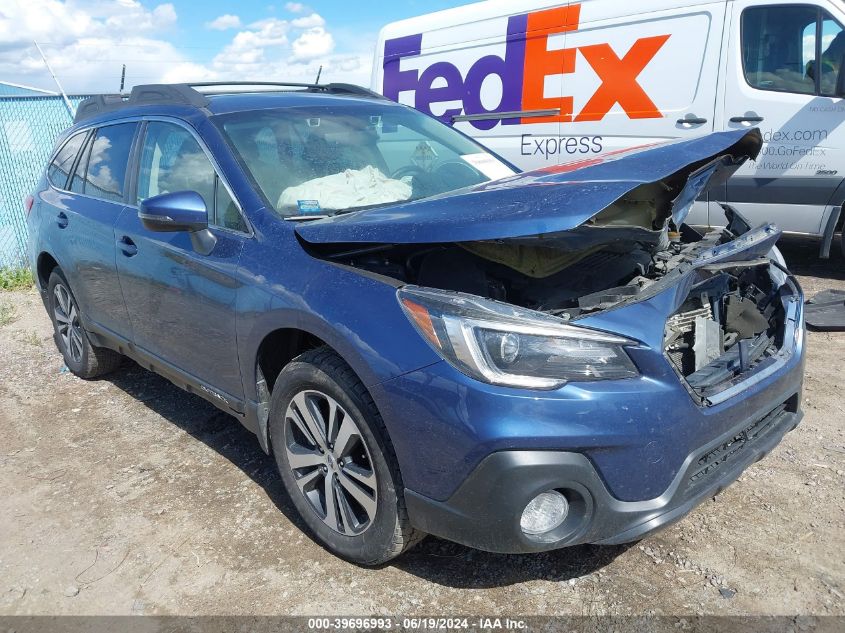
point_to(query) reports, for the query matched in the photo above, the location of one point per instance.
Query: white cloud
(313, 43)
(186, 72)
(308, 21)
(248, 47)
(295, 7)
(224, 23)
(87, 41)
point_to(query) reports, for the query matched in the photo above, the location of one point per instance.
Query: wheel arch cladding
(44, 267)
(279, 347)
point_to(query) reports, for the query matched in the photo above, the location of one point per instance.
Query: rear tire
(81, 357)
(344, 479)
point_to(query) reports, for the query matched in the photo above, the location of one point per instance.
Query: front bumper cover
(484, 512)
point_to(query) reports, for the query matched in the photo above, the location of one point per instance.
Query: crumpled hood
(547, 201)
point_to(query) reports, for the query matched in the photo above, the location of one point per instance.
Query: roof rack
(187, 94)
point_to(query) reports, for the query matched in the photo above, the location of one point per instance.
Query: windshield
(323, 160)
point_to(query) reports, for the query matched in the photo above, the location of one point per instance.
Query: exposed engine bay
(731, 319)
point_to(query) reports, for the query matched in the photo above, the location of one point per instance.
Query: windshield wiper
(304, 218)
(323, 216)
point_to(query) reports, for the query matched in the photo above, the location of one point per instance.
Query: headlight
(506, 345)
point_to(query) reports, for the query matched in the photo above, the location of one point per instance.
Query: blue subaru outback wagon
(425, 339)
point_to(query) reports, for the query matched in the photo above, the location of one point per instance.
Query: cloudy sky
(87, 41)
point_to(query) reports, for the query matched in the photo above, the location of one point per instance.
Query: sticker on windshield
(308, 207)
(424, 156)
(488, 165)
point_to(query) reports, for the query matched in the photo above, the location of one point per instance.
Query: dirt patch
(129, 496)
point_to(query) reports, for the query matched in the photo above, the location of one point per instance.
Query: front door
(783, 60)
(182, 301)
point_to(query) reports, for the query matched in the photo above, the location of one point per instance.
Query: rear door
(183, 303)
(84, 221)
(772, 82)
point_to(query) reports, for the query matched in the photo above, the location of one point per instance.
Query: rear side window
(791, 48)
(172, 160)
(61, 165)
(77, 183)
(107, 161)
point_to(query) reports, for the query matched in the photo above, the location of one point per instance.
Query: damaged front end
(618, 238)
(740, 315)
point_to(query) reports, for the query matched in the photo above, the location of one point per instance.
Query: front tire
(336, 461)
(81, 357)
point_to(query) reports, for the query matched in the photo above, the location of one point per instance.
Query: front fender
(355, 313)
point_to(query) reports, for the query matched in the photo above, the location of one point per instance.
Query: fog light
(544, 513)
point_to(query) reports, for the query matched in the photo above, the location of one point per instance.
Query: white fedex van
(544, 82)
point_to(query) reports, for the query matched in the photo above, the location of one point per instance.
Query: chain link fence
(29, 127)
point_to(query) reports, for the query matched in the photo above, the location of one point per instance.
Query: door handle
(746, 119)
(62, 220)
(127, 246)
(692, 121)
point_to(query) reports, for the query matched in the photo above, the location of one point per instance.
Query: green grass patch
(7, 313)
(32, 338)
(15, 278)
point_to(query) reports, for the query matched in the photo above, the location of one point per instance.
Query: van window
(833, 50)
(782, 46)
(172, 160)
(108, 160)
(59, 168)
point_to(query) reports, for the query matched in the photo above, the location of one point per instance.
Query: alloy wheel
(330, 462)
(67, 322)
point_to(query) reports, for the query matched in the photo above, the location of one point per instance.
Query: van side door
(784, 58)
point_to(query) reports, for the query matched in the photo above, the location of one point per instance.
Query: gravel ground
(128, 496)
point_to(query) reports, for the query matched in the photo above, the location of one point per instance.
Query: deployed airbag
(349, 189)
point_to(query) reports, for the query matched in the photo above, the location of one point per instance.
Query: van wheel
(336, 462)
(81, 357)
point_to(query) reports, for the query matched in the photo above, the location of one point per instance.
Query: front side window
(172, 160)
(107, 161)
(783, 46)
(60, 167)
(327, 159)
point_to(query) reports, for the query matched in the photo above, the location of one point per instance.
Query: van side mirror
(174, 212)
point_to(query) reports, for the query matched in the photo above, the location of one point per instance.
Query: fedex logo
(527, 62)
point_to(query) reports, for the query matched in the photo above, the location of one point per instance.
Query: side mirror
(174, 212)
